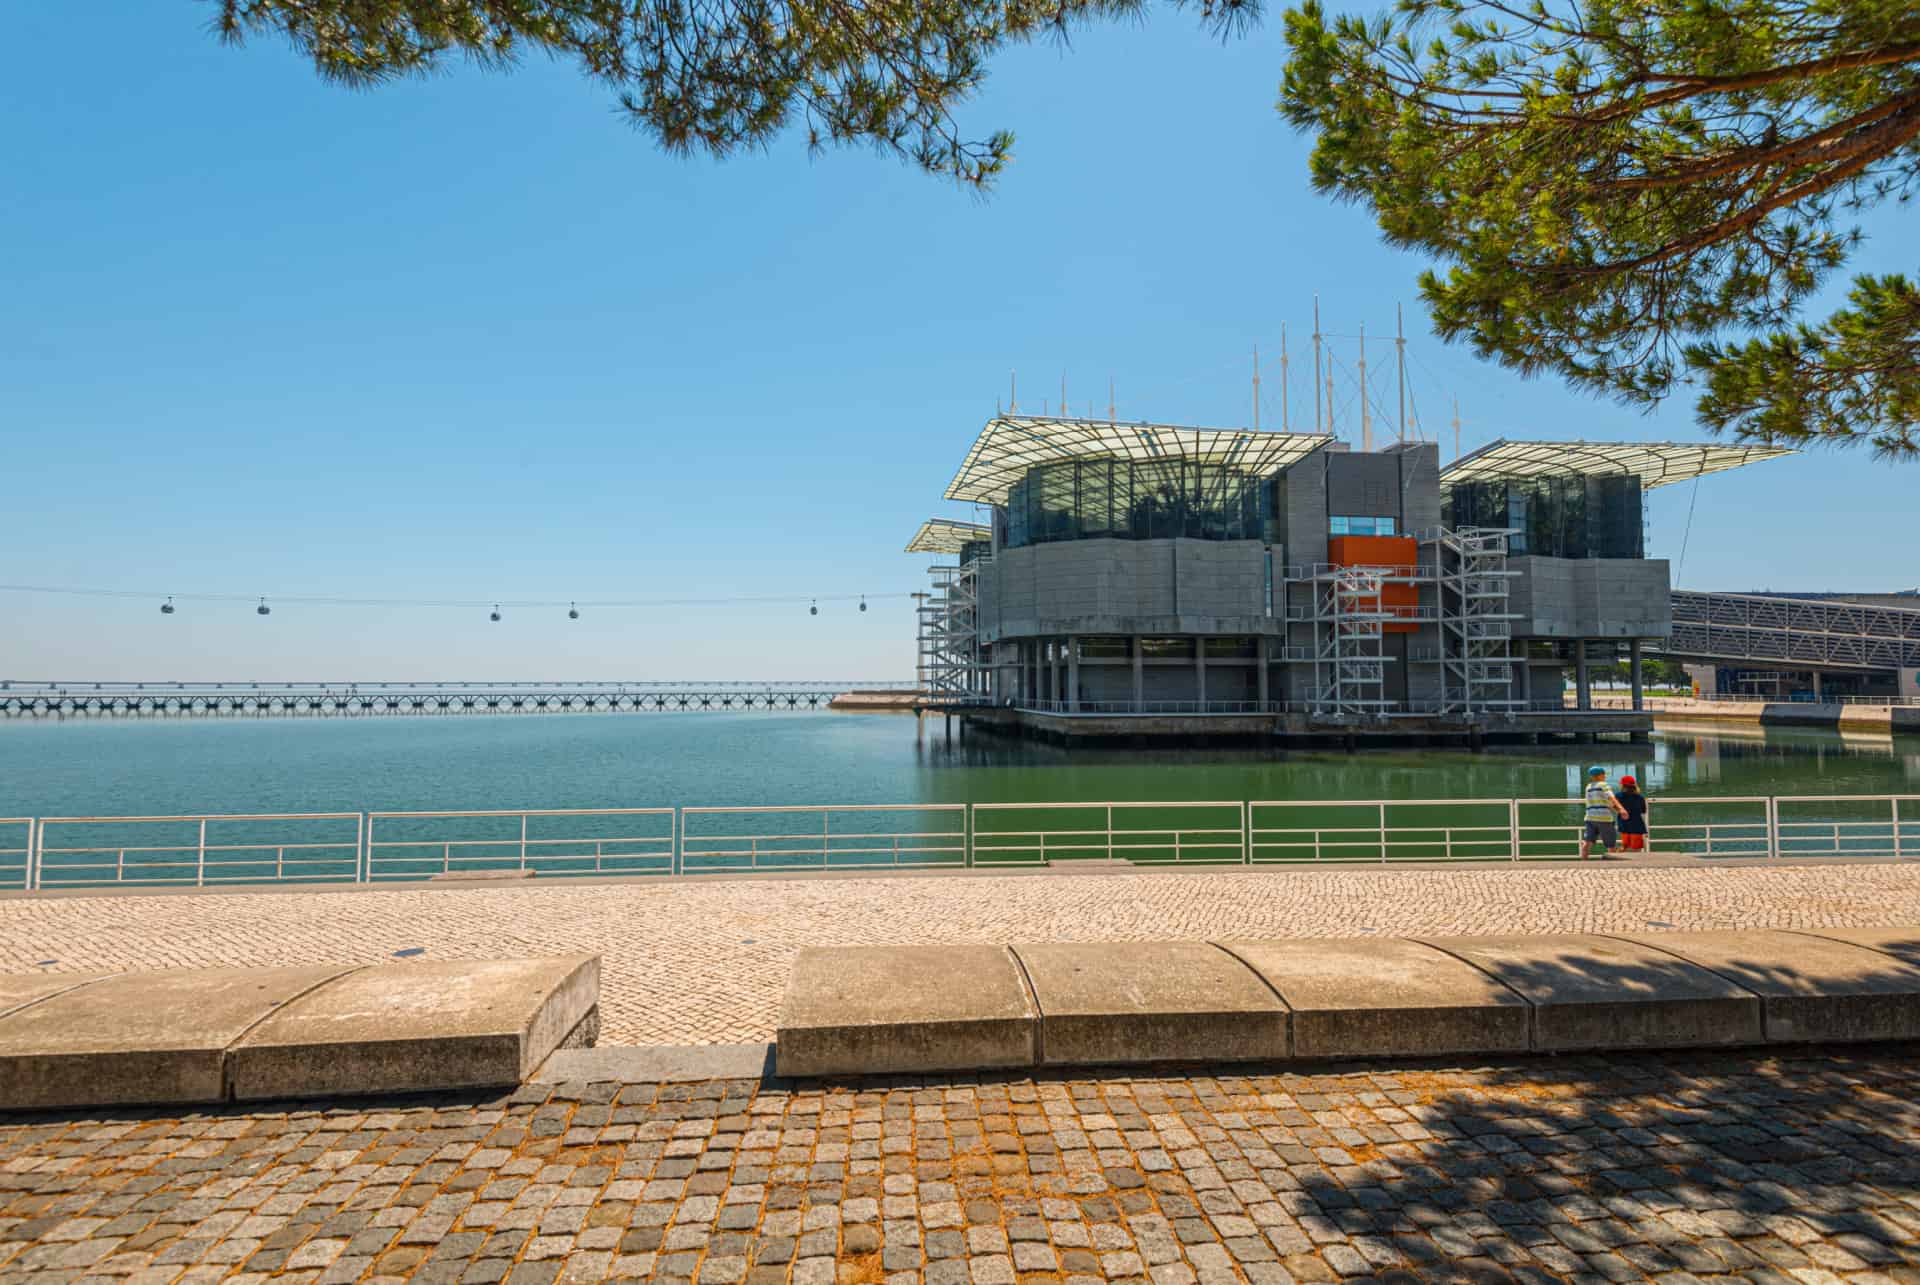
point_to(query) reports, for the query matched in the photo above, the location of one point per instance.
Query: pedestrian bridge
(1811, 633)
(70, 699)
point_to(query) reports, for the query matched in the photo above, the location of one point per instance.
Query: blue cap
(1596, 771)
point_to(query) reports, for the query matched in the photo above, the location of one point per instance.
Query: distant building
(1129, 570)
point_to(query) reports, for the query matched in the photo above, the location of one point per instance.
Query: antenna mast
(1316, 373)
(1286, 424)
(1366, 413)
(1110, 415)
(1013, 393)
(1256, 388)
(1400, 359)
(1456, 428)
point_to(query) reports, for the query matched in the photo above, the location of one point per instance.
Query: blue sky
(473, 337)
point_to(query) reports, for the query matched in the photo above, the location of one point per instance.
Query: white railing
(483, 848)
(16, 852)
(1093, 835)
(378, 847)
(200, 853)
(718, 839)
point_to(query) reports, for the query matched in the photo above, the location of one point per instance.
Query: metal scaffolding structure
(1350, 661)
(1476, 628)
(952, 665)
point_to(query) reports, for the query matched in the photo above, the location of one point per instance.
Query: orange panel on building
(1382, 551)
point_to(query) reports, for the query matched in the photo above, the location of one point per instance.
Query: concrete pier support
(1633, 674)
(1139, 672)
(1261, 680)
(1582, 678)
(1073, 673)
(1200, 670)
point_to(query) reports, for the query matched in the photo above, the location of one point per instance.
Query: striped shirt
(1598, 806)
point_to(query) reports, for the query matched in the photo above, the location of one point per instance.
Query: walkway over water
(1824, 633)
(20, 699)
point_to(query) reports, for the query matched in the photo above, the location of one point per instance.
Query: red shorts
(1633, 842)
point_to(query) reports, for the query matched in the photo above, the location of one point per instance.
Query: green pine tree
(1637, 193)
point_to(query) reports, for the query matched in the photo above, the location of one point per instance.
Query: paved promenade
(707, 961)
(1789, 1170)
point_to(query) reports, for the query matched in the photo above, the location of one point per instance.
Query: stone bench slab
(1128, 1002)
(1902, 943)
(869, 1009)
(1810, 987)
(214, 1034)
(402, 1028)
(1386, 997)
(1593, 992)
(141, 1037)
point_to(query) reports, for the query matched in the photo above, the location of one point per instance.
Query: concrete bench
(246, 1034)
(883, 1010)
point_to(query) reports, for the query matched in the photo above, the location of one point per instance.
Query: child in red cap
(1633, 821)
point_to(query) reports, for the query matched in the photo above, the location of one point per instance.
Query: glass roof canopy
(944, 535)
(1009, 445)
(1656, 464)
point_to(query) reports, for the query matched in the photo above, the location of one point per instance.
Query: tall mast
(1013, 393)
(1286, 424)
(1400, 358)
(1110, 415)
(1456, 428)
(1366, 413)
(1256, 388)
(1316, 373)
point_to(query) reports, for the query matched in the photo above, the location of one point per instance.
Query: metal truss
(1350, 662)
(1476, 628)
(1821, 633)
(952, 666)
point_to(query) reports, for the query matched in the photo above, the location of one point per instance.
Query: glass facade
(1138, 500)
(1556, 517)
(1361, 526)
(974, 549)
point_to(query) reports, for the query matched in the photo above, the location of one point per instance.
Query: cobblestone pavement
(690, 962)
(1726, 1167)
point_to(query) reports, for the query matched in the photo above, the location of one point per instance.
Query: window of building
(1232, 648)
(1167, 648)
(1103, 649)
(1360, 526)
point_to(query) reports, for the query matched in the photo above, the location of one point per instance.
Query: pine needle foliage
(1637, 194)
(719, 76)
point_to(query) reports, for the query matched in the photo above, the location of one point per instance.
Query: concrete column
(1633, 674)
(1139, 672)
(1260, 659)
(1073, 673)
(1054, 673)
(1582, 686)
(1200, 669)
(1816, 685)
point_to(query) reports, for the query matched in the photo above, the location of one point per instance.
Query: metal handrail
(523, 845)
(24, 853)
(903, 848)
(1249, 833)
(36, 861)
(1181, 839)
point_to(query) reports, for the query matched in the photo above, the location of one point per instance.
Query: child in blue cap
(1602, 809)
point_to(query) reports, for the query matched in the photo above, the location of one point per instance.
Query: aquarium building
(1164, 574)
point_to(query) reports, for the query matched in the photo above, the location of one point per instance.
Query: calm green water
(162, 768)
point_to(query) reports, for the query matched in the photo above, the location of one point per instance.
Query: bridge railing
(384, 847)
(267, 847)
(824, 837)
(1144, 833)
(554, 841)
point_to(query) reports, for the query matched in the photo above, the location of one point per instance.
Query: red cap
(1627, 780)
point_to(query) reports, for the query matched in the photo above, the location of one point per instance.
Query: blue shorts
(1601, 832)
